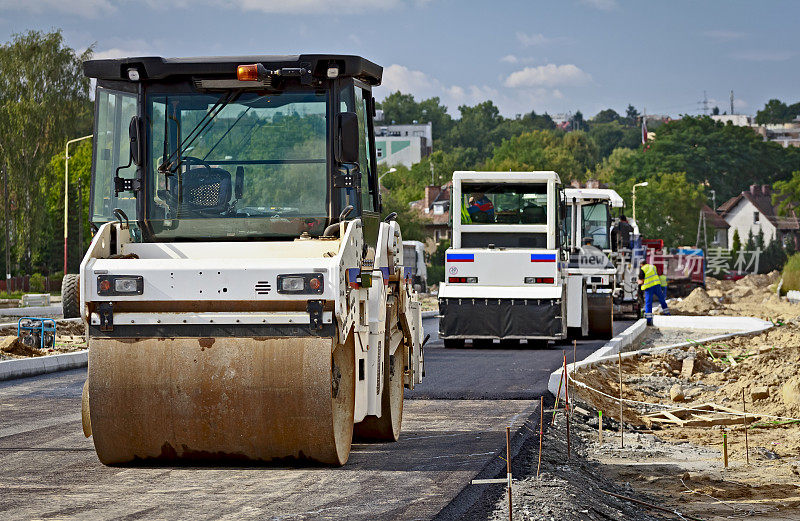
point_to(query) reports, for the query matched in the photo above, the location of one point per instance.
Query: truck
(414, 261)
(505, 274)
(243, 297)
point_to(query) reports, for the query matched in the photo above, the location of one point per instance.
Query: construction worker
(621, 234)
(481, 208)
(653, 285)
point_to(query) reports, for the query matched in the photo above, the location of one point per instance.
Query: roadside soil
(752, 296)
(683, 464)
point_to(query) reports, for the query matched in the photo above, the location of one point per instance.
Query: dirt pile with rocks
(753, 296)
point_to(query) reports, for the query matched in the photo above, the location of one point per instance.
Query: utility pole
(732, 112)
(5, 214)
(704, 103)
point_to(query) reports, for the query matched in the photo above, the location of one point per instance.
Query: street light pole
(634, 198)
(66, 195)
(391, 170)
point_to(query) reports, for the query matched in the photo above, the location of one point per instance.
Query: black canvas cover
(500, 318)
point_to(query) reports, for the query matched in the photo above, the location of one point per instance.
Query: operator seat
(206, 191)
(534, 214)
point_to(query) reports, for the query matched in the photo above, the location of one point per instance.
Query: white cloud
(549, 75)
(528, 40)
(84, 8)
(765, 56)
(721, 35)
(509, 58)
(603, 5)
(538, 39)
(421, 86)
(117, 53)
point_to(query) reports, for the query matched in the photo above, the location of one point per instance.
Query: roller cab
(244, 301)
(505, 273)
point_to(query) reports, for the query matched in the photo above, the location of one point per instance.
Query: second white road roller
(244, 299)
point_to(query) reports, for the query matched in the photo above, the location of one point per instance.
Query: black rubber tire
(454, 343)
(482, 343)
(71, 295)
(509, 343)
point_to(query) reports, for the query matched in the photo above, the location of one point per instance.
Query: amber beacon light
(247, 72)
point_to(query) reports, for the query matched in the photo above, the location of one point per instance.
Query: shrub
(36, 283)
(791, 273)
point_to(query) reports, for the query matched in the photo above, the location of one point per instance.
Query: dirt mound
(697, 303)
(12, 346)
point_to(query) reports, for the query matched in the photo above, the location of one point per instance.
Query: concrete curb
(612, 347)
(10, 369)
(739, 325)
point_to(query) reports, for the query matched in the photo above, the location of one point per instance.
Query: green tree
(722, 157)
(612, 135)
(776, 111)
(668, 208)
(606, 116)
(44, 100)
(571, 155)
(631, 114)
(736, 245)
(404, 109)
(787, 194)
(476, 128)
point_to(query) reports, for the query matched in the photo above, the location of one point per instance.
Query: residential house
(434, 210)
(752, 211)
(716, 228)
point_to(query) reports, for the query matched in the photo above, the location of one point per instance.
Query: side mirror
(135, 136)
(347, 123)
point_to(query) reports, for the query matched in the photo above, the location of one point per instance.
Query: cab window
(114, 111)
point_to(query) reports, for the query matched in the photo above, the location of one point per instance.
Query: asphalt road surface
(453, 430)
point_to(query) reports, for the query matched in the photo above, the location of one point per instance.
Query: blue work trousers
(656, 291)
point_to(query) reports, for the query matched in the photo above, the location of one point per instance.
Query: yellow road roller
(243, 297)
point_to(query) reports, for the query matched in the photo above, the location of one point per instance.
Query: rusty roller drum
(601, 315)
(225, 398)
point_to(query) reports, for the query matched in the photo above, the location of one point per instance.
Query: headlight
(301, 283)
(109, 285)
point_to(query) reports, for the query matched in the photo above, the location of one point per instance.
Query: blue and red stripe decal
(543, 257)
(460, 257)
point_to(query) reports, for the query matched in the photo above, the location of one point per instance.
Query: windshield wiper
(171, 164)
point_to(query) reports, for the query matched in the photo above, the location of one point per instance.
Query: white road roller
(588, 226)
(505, 274)
(244, 300)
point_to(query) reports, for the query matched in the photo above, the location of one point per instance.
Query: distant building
(738, 120)
(752, 211)
(787, 134)
(403, 144)
(434, 210)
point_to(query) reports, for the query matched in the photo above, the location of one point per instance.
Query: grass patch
(791, 274)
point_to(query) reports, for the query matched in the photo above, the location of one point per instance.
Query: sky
(547, 56)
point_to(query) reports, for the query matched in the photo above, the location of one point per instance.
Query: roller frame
(183, 291)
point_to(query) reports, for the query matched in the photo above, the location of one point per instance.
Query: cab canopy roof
(541, 176)
(600, 194)
(158, 68)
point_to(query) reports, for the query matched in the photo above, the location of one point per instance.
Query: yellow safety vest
(651, 277)
(466, 218)
(663, 279)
